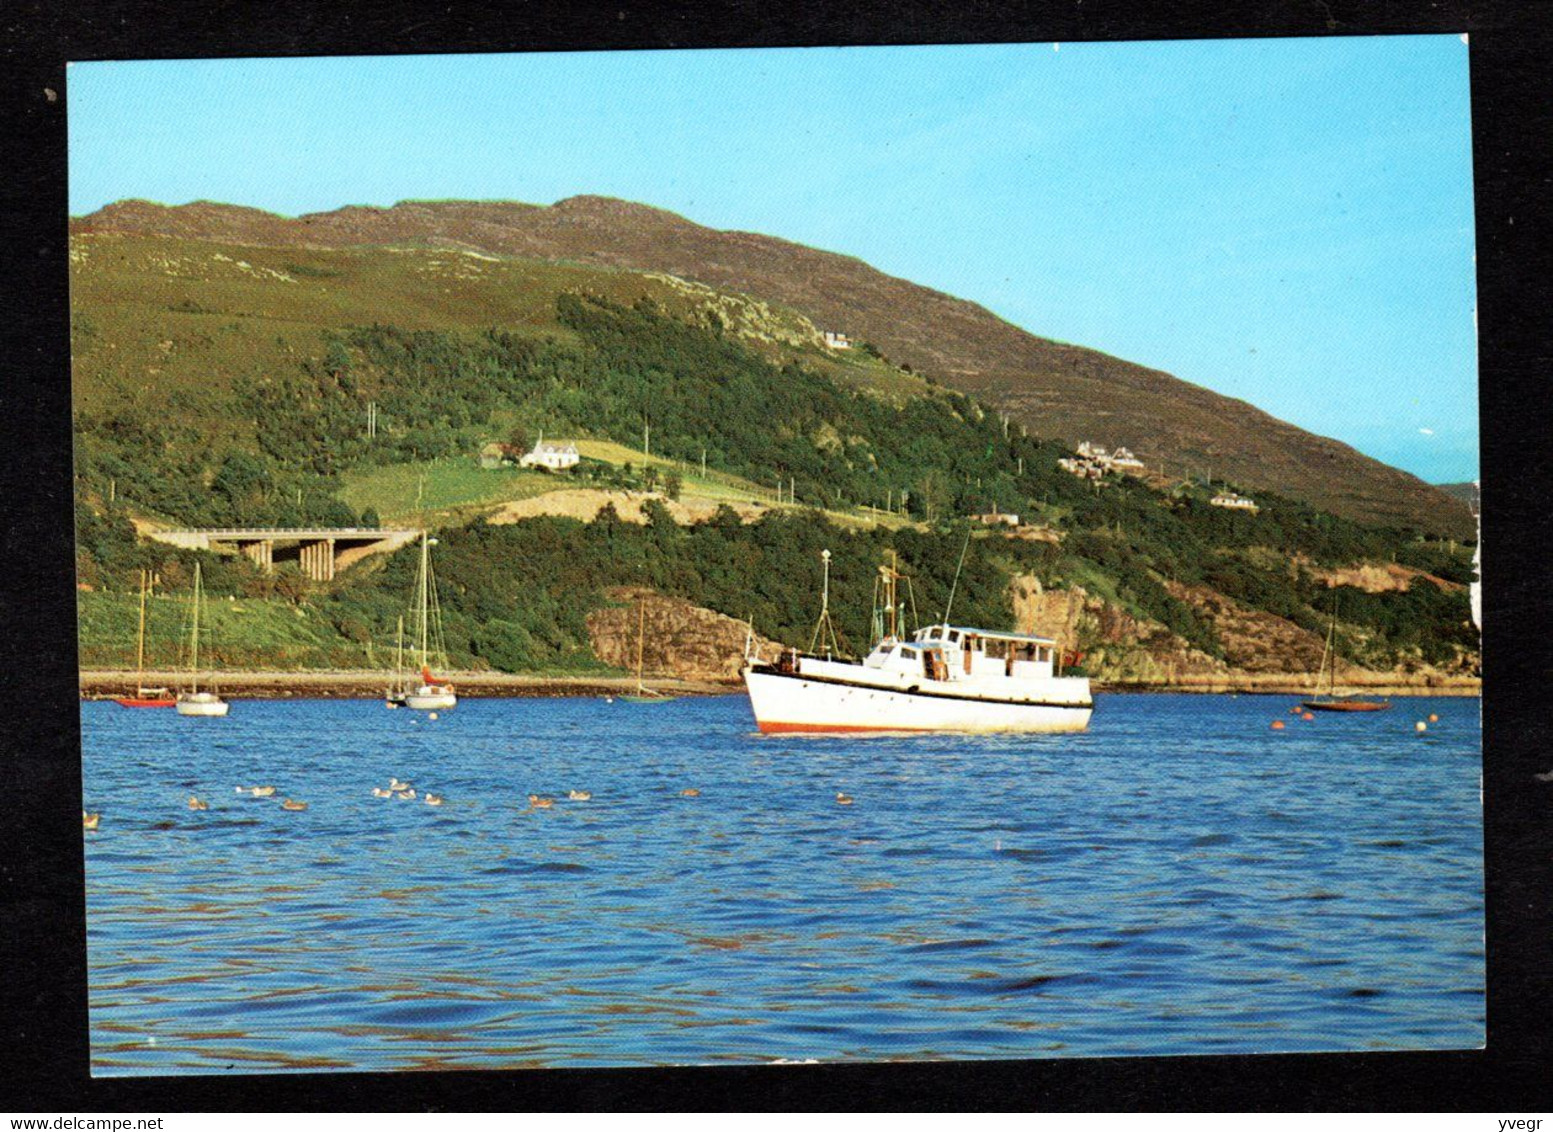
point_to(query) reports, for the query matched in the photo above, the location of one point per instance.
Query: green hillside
(1060, 390)
(226, 385)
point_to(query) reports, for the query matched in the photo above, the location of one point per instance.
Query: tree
(241, 483)
(673, 484)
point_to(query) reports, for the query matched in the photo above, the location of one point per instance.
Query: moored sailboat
(644, 694)
(393, 695)
(144, 697)
(1332, 700)
(192, 701)
(430, 693)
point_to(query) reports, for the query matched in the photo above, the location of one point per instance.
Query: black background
(43, 1019)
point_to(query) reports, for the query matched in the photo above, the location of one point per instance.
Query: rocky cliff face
(680, 639)
(1261, 651)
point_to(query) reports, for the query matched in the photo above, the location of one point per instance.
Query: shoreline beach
(103, 684)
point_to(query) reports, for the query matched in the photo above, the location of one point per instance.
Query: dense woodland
(515, 597)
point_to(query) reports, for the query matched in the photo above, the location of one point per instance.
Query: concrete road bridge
(320, 551)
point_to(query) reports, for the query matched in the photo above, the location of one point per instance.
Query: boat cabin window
(909, 654)
(954, 637)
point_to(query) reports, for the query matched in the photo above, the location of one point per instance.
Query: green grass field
(245, 633)
(430, 492)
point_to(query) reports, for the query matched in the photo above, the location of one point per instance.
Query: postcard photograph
(756, 556)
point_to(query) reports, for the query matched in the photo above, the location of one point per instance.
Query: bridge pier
(260, 553)
(322, 552)
(318, 560)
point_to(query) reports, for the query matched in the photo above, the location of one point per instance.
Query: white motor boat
(944, 678)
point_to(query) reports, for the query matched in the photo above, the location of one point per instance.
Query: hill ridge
(1065, 391)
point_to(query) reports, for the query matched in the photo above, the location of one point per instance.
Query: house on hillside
(1094, 461)
(551, 457)
(1234, 502)
(996, 518)
(1124, 461)
(1082, 467)
(836, 341)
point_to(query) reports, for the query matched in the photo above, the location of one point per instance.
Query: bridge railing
(270, 532)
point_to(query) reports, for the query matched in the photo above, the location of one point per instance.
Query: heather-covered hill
(1058, 390)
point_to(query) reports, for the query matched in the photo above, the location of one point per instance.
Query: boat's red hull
(143, 701)
(1352, 705)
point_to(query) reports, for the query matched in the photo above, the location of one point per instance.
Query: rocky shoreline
(106, 684)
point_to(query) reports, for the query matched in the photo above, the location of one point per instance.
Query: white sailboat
(393, 697)
(430, 693)
(192, 701)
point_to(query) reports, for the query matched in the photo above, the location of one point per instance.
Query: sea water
(1180, 879)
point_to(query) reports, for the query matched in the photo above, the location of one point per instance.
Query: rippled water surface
(1180, 879)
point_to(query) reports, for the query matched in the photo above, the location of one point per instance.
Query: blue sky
(1284, 221)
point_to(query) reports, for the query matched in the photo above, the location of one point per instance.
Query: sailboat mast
(1327, 652)
(425, 562)
(194, 645)
(399, 652)
(641, 636)
(140, 639)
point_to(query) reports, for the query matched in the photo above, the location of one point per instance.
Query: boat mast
(194, 647)
(1326, 651)
(955, 585)
(641, 636)
(892, 613)
(399, 655)
(140, 640)
(421, 612)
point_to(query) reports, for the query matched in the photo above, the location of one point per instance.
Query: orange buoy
(1277, 725)
(1433, 718)
(1307, 716)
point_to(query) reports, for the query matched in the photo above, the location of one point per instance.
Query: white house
(555, 457)
(1122, 458)
(836, 341)
(995, 518)
(1236, 502)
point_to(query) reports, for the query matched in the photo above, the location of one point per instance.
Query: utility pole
(646, 439)
(703, 463)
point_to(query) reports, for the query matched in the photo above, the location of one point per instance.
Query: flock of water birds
(402, 791)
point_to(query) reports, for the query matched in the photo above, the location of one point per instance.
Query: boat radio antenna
(956, 583)
(824, 630)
